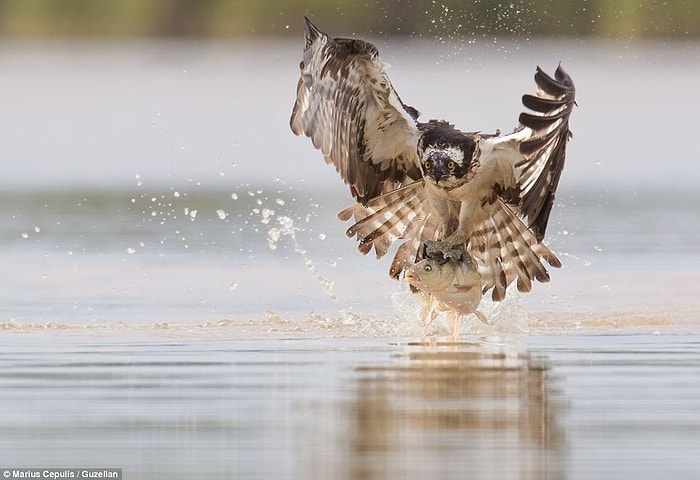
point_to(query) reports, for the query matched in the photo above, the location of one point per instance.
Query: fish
(448, 284)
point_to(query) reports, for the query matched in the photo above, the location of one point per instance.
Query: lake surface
(179, 300)
(535, 407)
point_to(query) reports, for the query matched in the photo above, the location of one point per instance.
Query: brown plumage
(429, 185)
(348, 107)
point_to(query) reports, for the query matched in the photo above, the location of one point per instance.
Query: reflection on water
(529, 408)
(489, 413)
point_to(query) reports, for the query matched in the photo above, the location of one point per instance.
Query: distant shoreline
(610, 19)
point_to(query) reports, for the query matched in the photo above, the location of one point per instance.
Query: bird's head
(445, 166)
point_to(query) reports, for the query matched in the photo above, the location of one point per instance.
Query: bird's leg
(443, 249)
(451, 248)
(454, 235)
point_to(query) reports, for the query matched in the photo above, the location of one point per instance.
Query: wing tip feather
(311, 31)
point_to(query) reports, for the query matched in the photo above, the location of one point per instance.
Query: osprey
(439, 189)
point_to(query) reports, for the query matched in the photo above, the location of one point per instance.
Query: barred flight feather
(386, 218)
(544, 151)
(347, 106)
(423, 228)
(349, 109)
(506, 251)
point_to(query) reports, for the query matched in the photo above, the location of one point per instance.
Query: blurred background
(178, 91)
(147, 160)
(431, 19)
(151, 188)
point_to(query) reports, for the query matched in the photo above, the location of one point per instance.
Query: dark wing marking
(506, 251)
(386, 218)
(403, 214)
(544, 147)
(348, 107)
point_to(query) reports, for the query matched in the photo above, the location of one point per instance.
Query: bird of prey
(439, 189)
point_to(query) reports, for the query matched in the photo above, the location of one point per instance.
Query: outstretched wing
(544, 151)
(348, 107)
(506, 251)
(402, 214)
(504, 248)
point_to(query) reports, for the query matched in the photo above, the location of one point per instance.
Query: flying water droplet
(266, 215)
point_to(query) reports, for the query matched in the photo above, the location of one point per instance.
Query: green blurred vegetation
(426, 18)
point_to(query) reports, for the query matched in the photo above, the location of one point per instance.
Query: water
(178, 298)
(536, 407)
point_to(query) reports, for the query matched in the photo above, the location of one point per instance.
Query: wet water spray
(287, 228)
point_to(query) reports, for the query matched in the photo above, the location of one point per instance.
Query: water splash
(287, 228)
(506, 317)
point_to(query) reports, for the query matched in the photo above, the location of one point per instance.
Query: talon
(441, 251)
(430, 247)
(424, 250)
(454, 254)
(433, 249)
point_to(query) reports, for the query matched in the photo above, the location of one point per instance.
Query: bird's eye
(428, 268)
(427, 165)
(451, 165)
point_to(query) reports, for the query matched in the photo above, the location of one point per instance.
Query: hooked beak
(439, 172)
(438, 169)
